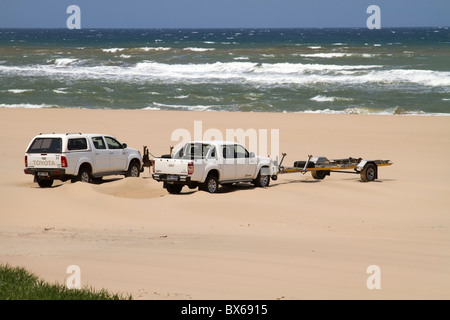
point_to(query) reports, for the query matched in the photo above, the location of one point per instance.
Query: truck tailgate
(44, 160)
(171, 166)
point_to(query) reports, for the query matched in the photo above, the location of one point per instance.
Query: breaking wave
(234, 72)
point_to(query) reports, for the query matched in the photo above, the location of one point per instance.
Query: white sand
(298, 239)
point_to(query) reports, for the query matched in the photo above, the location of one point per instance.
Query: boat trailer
(320, 167)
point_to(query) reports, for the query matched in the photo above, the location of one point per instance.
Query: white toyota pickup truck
(206, 164)
(79, 157)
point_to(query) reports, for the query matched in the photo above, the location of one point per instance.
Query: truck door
(245, 168)
(117, 155)
(100, 154)
(229, 163)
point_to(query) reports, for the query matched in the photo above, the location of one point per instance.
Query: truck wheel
(211, 184)
(84, 175)
(369, 173)
(133, 170)
(174, 188)
(262, 180)
(45, 183)
(319, 174)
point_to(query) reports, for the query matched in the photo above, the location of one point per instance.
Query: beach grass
(17, 283)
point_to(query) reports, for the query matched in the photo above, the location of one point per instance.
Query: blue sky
(223, 13)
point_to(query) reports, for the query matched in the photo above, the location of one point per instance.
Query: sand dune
(298, 239)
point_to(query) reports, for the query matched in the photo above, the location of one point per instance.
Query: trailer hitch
(146, 162)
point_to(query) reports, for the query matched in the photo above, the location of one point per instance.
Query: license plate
(172, 178)
(43, 174)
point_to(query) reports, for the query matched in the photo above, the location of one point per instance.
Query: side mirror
(124, 146)
(252, 154)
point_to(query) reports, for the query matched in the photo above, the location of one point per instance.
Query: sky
(223, 13)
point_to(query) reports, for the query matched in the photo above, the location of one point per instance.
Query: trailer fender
(365, 163)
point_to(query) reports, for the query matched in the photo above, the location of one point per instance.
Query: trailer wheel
(211, 184)
(319, 174)
(369, 173)
(174, 188)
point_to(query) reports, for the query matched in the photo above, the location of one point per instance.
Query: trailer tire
(369, 172)
(174, 188)
(320, 174)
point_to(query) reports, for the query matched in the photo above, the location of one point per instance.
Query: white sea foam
(320, 98)
(199, 49)
(26, 106)
(63, 62)
(181, 107)
(113, 50)
(155, 48)
(315, 47)
(60, 90)
(372, 111)
(330, 55)
(18, 91)
(235, 72)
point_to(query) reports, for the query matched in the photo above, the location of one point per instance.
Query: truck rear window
(46, 145)
(195, 151)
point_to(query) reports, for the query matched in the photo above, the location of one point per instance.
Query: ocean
(403, 71)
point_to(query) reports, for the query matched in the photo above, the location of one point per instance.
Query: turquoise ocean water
(387, 71)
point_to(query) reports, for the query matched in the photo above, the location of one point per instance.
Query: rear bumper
(46, 173)
(176, 179)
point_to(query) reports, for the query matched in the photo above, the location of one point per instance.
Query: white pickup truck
(206, 164)
(79, 157)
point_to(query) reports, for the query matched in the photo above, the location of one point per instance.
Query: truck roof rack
(73, 133)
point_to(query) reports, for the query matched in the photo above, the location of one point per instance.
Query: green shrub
(16, 283)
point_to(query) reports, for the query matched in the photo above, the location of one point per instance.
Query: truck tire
(261, 181)
(319, 174)
(45, 183)
(84, 175)
(369, 173)
(211, 184)
(174, 188)
(133, 170)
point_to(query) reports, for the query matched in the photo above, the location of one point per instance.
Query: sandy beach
(297, 239)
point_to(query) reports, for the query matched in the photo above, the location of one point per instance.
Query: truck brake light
(63, 162)
(153, 165)
(190, 168)
(26, 161)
